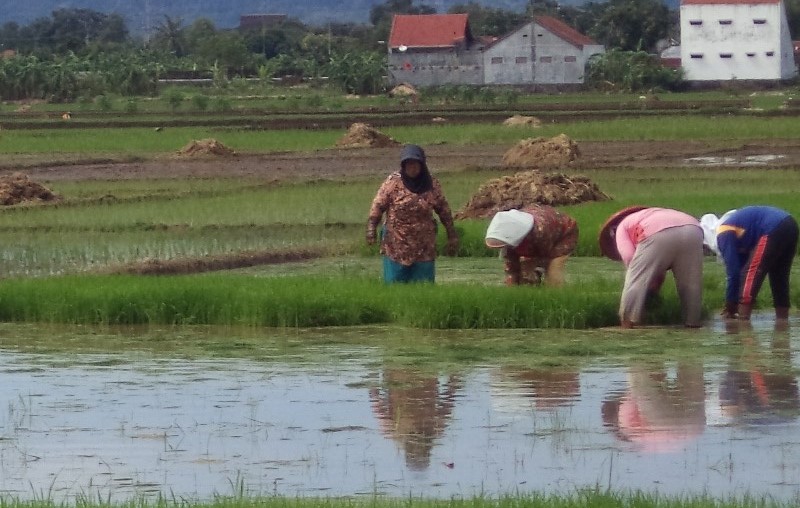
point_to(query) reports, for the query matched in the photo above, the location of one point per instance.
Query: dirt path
(336, 163)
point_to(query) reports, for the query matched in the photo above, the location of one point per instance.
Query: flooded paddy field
(193, 413)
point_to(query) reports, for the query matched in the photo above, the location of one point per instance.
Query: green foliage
(358, 73)
(632, 25)
(103, 102)
(131, 105)
(174, 97)
(200, 102)
(631, 71)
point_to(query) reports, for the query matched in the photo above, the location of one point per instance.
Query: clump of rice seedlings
(297, 301)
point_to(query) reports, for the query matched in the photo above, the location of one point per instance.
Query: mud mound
(528, 188)
(527, 121)
(208, 146)
(18, 188)
(361, 135)
(218, 262)
(542, 153)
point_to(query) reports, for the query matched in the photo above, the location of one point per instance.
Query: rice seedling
(301, 300)
(581, 498)
(723, 130)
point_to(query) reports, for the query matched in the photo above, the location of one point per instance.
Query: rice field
(57, 266)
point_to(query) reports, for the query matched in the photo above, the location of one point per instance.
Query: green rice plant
(595, 497)
(326, 300)
(724, 130)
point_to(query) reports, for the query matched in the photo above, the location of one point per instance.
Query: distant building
(259, 21)
(544, 51)
(724, 40)
(439, 49)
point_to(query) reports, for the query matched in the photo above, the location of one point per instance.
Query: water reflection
(539, 388)
(413, 408)
(659, 412)
(343, 418)
(760, 387)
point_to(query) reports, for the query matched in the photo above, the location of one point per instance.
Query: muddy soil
(342, 163)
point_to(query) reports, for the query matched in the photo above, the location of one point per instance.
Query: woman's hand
(452, 246)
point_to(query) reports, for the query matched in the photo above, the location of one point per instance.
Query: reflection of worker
(755, 241)
(549, 388)
(650, 241)
(656, 413)
(413, 408)
(536, 243)
(760, 386)
(409, 198)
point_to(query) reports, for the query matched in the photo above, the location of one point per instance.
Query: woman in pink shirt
(650, 241)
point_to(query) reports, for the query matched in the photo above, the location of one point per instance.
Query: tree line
(79, 51)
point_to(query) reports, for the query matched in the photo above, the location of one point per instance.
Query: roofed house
(543, 51)
(723, 40)
(433, 49)
(439, 49)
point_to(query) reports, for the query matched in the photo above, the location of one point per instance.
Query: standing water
(341, 418)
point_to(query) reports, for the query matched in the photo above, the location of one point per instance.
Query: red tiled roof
(728, 2)
(564, 31)
(428, 30)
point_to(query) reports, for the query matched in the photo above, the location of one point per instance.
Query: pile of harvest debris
(542, 153)
(362, 135)
(205, 147)
(18, 188)
(527, 121)
(403, 90)
(528, 188)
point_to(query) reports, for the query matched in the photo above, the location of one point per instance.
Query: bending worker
(650, 241)
(536, 243)
(755, 241)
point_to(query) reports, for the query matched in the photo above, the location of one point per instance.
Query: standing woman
(649, 242)
(409, 198)
(754, 242)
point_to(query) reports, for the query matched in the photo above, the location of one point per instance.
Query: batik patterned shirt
(409, 229)
(554, 234)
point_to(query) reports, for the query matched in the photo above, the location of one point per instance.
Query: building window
(695, 22)
(726, 55)
(570, 59)
(751, 54)
(725, 21)
(497, 59)
(546, 59)
(760, 21)
(696, 55)
(521, 59)
(770, 53)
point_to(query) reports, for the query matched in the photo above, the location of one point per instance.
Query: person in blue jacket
(755, 242)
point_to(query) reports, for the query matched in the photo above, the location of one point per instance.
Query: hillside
(143, 15)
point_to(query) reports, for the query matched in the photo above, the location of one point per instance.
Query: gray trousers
(679, 249)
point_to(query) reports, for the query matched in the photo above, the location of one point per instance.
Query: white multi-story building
(724, 40)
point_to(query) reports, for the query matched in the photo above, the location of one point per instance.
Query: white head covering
(710, 223)
(508, 228)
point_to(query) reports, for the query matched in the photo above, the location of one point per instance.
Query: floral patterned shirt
(409, 230)
(554, 234)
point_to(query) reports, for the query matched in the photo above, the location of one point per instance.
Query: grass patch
(146, 141)
(294, 296)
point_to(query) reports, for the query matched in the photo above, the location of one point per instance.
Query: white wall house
(724, 40)
(544, 51)
(438, 49)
